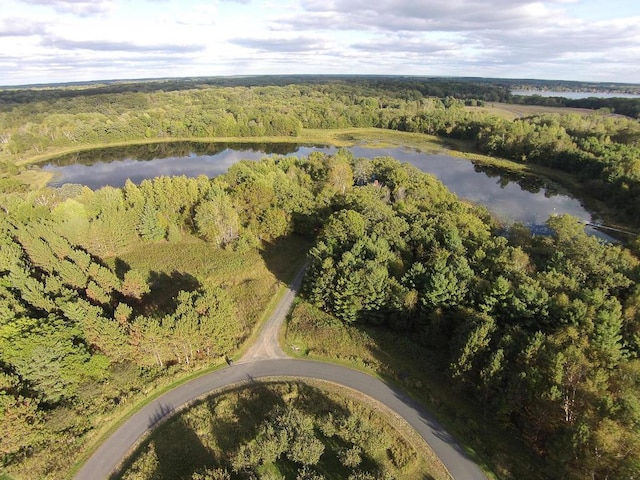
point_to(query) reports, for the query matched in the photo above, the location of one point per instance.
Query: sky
(51, 41)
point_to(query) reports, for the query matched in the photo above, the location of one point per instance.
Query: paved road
(265, 360)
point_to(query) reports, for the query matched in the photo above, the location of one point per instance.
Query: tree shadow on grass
(181, 453)
(120, 267)
(284, 256)
(165, 288)
(178, 449)
(246, 415)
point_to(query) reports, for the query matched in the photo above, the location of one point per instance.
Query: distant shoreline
(574, 94)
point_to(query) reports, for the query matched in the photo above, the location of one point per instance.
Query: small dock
(601, 226)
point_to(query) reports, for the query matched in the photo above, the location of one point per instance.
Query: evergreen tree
(149, 224)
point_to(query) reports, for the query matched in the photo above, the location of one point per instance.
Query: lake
(573, 95)
(511, 198)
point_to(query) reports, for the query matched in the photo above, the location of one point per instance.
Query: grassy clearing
(210, 433)
(513, 111)
(313, 334)
(36, 179)
(379, 138)
(252, 277)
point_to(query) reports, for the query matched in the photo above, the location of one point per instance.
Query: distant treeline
(437, 87)
(485, 89)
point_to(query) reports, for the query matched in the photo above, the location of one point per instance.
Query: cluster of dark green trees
(542, 330)
(302, 438)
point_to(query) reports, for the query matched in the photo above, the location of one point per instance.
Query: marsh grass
(251, 276)
(511, 111)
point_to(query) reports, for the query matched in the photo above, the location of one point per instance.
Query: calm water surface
(573, 95)
(510, 198)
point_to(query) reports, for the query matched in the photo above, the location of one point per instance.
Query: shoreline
(349, 137)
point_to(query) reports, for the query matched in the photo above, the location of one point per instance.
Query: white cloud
(419, 15)
(76, 7)
(119, 46)
(20, 27)
(297, 44)
(567, 39)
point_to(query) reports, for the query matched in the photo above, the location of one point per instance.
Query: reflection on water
(510, 197)
(169, 150)
(114, 165)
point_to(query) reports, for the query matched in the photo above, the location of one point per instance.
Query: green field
(512, 111)
(252, 277)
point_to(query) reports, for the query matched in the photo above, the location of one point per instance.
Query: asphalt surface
(266, 359)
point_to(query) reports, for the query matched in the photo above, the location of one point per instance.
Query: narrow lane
(267, 344)
(266, 359)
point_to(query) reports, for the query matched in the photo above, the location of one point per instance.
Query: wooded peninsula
(526, 346)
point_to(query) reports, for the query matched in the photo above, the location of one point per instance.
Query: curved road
(266, 359)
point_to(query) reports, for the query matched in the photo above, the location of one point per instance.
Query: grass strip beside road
(269, 391)
(107, 431)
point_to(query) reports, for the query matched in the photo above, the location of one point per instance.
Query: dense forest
(543, 330)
